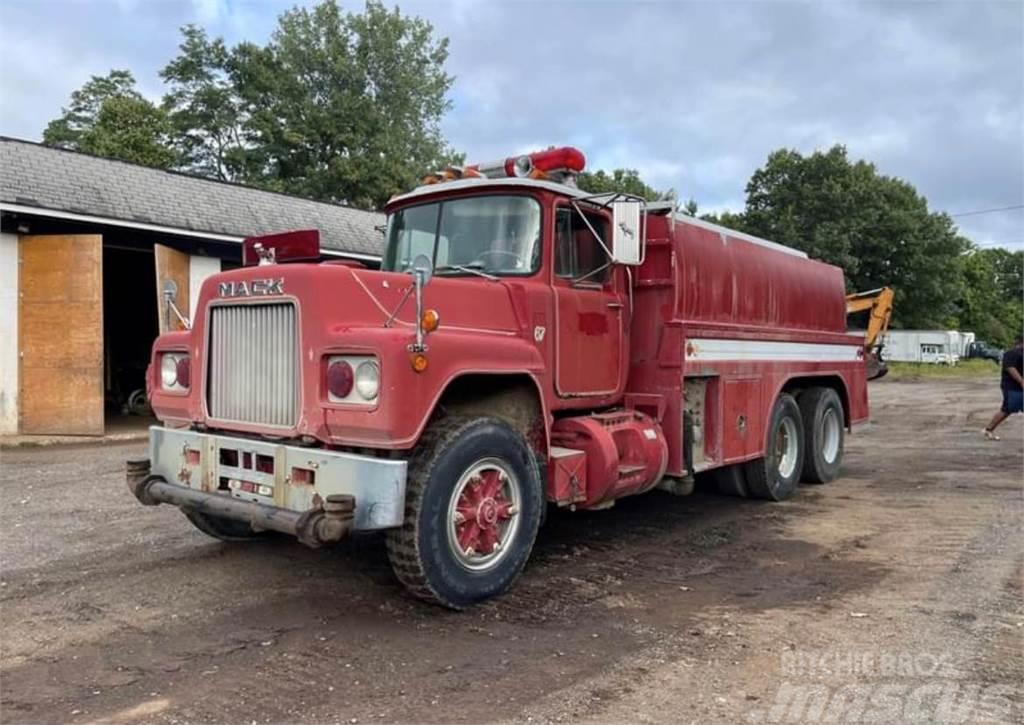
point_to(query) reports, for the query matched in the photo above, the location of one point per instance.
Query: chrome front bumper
(269, 485)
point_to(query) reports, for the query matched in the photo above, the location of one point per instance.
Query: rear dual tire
(805, 442)
(775, 476)
(824, 432)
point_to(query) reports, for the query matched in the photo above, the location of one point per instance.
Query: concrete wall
(199, 268)
(8, 334)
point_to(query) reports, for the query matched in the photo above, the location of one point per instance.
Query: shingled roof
(45, 178)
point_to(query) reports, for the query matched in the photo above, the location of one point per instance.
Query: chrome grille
(253, 374)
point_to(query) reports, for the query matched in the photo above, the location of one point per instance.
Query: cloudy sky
(694, 95)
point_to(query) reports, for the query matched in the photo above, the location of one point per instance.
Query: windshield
(495, 234)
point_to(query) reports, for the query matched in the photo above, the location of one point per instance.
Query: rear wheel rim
(830, 435)
(787, 447)
(483, 515)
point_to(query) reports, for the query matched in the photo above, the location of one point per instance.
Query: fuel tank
(625, 449)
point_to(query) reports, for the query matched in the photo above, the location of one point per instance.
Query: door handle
(614, 305)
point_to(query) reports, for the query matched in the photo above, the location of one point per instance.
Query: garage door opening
(130, 324)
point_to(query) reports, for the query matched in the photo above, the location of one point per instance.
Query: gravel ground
(891, 594)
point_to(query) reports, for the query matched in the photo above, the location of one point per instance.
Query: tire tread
(809, 401)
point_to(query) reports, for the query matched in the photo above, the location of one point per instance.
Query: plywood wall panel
(60, 325)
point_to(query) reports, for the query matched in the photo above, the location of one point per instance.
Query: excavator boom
(878, 302)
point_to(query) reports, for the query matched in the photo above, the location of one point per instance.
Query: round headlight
(368, 379)
(169, 371)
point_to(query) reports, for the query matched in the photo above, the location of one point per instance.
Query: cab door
(589, 309)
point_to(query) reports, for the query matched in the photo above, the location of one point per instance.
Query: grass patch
(964, 369)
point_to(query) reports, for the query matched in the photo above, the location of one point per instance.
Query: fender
(504, 374)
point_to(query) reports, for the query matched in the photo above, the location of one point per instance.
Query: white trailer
(944, 347)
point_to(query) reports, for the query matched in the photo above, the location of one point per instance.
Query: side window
(577, 252)
(414, 235)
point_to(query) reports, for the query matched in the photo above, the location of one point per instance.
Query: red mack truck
(524, 344)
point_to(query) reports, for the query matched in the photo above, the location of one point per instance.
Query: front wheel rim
(830, 435)
(484, 514)
(786, 447)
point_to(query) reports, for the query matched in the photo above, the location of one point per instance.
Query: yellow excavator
(878, 304)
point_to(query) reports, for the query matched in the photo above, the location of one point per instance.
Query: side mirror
(171, 291)
(422, 266)
(627, 231)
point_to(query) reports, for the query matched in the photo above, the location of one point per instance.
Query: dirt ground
(899, 584)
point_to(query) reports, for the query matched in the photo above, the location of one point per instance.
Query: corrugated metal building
(83, 241)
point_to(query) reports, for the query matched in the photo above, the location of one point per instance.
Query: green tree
(626, 181)
(729, 219)
(341, 107)
(108, 116)
(204, 107)
(876, 227)
(131, 129)
(991, 302)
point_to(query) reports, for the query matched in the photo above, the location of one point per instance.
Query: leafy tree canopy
(876, 227)
(342, 107)
(991, 293)
(107, 116)
(627, 181)
(131, 129)
(84, 108)
(337, 106)
(205, 110)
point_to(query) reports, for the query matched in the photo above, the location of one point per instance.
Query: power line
(991, 245)
(989, 211)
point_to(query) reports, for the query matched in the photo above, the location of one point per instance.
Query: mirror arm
(398, 308)
(591, 273)
(591, 228)
(418, 346)
(169, 299)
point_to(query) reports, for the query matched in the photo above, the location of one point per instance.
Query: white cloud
(209, 11)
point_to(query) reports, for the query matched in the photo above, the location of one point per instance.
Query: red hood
(345, 297)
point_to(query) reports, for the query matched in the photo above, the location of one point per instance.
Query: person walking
(1012, 385)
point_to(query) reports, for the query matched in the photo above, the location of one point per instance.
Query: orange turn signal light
(430, 320)
(419, 362)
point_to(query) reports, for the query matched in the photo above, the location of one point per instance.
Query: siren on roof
(560, 165)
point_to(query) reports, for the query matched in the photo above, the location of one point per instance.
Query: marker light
(430, 320)
(184, 371)
(419, 362)
(368, 380)
(340, 379)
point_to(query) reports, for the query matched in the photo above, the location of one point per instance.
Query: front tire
(774, 477)
(824, 433)
(473, 506)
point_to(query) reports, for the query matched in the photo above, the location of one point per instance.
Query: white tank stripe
(714, 350)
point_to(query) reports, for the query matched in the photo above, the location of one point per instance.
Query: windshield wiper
(471, 268)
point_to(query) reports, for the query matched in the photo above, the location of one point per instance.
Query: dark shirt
(1013, 358)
